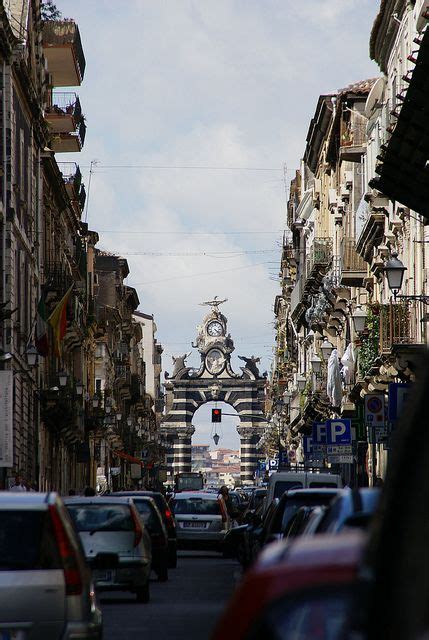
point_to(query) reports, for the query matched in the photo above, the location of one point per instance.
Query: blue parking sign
(339, 431)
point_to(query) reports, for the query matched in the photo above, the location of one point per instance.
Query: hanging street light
(31, 354)
(95, 401)
(316, 363)
(359, 319)
(394, 270)
(326, 348)
(300, 383)
(79, 388)
(216, 438)
(62, 378)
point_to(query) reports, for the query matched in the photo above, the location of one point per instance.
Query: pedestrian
(19, 484)
(89, 492)
(72, 492)
(223, 495)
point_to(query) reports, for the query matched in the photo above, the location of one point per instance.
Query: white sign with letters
(6, 419)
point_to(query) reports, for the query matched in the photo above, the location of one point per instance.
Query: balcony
(64, 113)
(57, 280)
(317, 264)
(353, 266)
(352, 140)
(62, 48)
(399, 325)
(69, 142)
(371, 235)
(73, 181)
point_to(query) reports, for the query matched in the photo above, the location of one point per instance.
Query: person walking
(19, 484)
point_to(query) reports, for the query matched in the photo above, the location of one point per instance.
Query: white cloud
(206, 83)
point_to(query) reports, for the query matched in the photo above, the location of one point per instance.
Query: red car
(301, 590)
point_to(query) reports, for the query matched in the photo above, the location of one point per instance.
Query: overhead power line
(186, 167)
(188, 233)
(209, 254)
(197, 275)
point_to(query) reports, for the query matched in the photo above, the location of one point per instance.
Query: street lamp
(326, 348)
(31, 354)
(394, 270)
(286, 398)
(79, 388)
(359, 319)
(300, 383)
(129, 422)
(316, 363)
(118, 416)
(62, 378)
(216, 438)
(95, 401)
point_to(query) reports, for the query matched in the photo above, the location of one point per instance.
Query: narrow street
(184, 608)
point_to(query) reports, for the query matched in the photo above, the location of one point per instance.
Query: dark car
(289, 504)
(350, 508)
(167, 516)
(151, 516)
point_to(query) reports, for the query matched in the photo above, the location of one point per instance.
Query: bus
(189, 481)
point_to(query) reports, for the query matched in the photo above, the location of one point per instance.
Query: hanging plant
(368, 352)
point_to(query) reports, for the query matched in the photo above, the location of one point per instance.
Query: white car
(201, 519)
(111, 525)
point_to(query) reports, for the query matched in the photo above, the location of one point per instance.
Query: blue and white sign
(398, 396)
(319, 433)
(283, 458)
(274, 463)
(374, 409)
(339, 432)
(307, 445)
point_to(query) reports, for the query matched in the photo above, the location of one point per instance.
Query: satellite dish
(374, 97)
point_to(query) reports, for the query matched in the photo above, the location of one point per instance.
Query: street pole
(374, 456)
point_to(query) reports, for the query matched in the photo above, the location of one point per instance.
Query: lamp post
(359, 319)
(326, 348)
(62, 378)
(31, 354)
(394, 270)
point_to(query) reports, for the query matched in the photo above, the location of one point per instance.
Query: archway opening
(217, 459)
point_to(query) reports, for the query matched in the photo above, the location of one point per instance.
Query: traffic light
(216, 415)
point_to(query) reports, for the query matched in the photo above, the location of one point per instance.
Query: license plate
(194, 525)
(15, 634)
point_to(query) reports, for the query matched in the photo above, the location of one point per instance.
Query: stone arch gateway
(188, 388)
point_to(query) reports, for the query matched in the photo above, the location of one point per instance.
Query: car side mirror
(104, 561)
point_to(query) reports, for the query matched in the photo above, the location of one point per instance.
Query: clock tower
(214, 343)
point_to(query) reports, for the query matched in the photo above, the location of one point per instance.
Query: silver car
(201, 520)
(111, 525)
(46, 589)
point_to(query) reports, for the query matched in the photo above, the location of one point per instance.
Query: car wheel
(163, 571)
(143, 594)
(172, 559)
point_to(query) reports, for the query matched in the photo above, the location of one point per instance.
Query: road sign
(307, 443)
(283, 457)
(339, 450)
(339, 432)
(319, 433)
(398, 395)
(343, 459)
(274, 463)
(374, 409)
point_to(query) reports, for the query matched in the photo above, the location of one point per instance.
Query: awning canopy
(404, 168)
(129, 458)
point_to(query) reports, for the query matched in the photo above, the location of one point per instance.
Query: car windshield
(197, 506)
(27, 541)
(293, 503)
(285, 485)
(148, 515)
(101, 517)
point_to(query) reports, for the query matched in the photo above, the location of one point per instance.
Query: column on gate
(248, 454)
(182, 450)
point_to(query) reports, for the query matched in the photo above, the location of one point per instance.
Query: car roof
(98, 500)
(26, 499)
(195, 494)
(309, 562)
(137, 494)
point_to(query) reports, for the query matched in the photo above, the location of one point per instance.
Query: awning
(126, 456)
(404, 168)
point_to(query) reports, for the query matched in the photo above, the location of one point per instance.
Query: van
(281, 481)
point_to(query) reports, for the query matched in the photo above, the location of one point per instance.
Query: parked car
(282, 481)
(350, 508)
(304, 590)
(113, 525)
(289, 504)
(46, 588)
(201, 519)
(152, 519)
(167, 516)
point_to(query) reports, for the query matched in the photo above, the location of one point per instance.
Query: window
(94, 517)
(197, 507)
(148, 515)
(281, 487)
(27, 541)
(321, 615)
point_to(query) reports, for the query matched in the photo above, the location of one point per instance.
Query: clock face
(215, 329)
(215, 361)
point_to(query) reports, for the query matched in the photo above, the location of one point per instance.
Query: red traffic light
(216, 415)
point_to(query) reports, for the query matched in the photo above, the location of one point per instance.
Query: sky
(197, 114)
